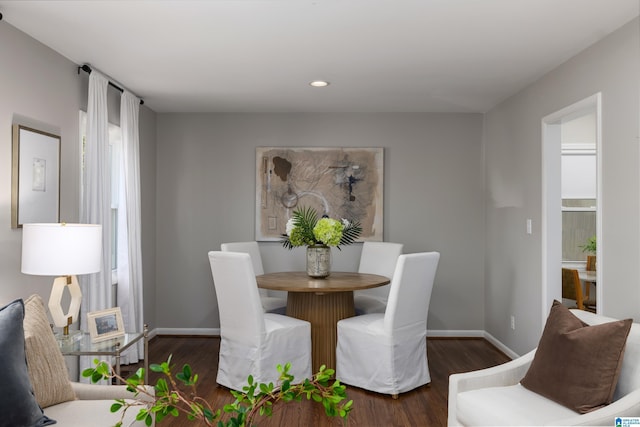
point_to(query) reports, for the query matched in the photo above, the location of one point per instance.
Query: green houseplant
(176, 394)
(590, 246)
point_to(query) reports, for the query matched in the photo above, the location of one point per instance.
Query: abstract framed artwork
(339, 182)
(35, 188)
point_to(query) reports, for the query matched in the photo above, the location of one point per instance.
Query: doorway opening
(571, 191)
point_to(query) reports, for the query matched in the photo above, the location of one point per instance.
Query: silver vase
(318, 261)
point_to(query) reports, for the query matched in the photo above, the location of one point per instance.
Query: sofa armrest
(101, 392)
(626, 406)
(506, 374)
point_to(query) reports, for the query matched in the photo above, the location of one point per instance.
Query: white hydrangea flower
(289, 226)
(345, 222)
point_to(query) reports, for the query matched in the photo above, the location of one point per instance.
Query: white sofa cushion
(508, 406)
(94, 413)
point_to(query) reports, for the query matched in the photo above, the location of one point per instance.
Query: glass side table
(111, 347)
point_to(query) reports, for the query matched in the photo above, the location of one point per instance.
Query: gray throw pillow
(18, 406)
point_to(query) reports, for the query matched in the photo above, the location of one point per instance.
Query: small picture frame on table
(105, 324)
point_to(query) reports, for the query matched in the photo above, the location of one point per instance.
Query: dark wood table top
(338, 281)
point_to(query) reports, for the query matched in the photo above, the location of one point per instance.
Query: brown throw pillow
(46, 365)
(577, 365)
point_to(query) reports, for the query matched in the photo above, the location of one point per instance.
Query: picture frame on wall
(105, 324)
(35, 180)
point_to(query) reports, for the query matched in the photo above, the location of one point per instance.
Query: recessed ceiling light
(319, 83)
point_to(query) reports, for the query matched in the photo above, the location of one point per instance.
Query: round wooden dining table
(321, 302)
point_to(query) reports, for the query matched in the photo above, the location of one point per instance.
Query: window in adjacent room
(578, 178)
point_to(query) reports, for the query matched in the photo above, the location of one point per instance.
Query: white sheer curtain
(129, 239)
(96, 199)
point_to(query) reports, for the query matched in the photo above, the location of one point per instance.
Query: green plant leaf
(590, 246)
(140, 373)
(350, 233)
(142, 415)
(256, 399)
(162, 386)
(154, 367)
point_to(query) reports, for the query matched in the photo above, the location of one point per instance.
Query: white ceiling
(379, 55)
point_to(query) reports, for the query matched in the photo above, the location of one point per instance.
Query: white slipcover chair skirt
(387, 352)
(254, 342)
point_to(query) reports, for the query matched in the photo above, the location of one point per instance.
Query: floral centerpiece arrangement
(304, 228)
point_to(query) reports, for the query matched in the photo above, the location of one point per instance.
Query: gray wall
(198, 188)
(513, 165)
(206, 191)
(42, 89)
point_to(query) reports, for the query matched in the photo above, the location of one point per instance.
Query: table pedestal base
(323, 311)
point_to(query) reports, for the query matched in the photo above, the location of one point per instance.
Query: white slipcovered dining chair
(253, 342)
(376, 258)
(387, 352)
(272, 301)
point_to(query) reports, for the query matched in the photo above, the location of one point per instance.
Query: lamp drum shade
(61, 249)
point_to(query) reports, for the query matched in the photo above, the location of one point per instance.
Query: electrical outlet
(513, 322)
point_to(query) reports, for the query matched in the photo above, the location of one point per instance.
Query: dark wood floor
(425, 406)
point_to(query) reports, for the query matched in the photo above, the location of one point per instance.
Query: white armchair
(494, 396)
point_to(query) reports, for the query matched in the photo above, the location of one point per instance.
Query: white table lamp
(63, 250)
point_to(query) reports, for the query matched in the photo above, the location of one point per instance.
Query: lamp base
(60, 284)
(68, 340)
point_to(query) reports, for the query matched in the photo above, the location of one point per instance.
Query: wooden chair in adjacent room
(591, 266)
(572, 290)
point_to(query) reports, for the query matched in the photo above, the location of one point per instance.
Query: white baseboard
(503, 348)
(455, 333)
(187, 331)
(216, 332)
(473, 334)
(430, 333)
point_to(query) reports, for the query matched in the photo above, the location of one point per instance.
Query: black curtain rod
(88, 70)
